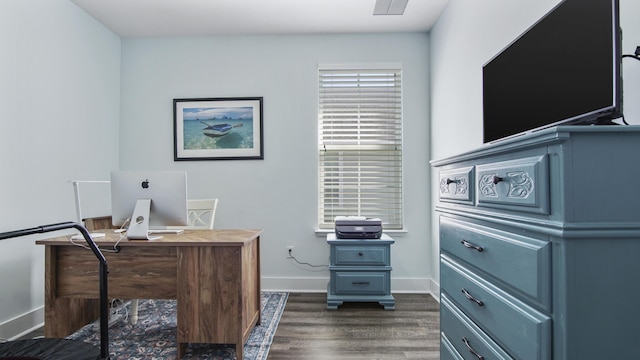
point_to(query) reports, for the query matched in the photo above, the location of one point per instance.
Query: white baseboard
(319, 284)
(21, 325)
(435, 290)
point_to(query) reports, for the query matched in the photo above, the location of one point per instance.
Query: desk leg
(182, 348)
(63, 315)
(218, 294)
(239, 351)
(213, 304)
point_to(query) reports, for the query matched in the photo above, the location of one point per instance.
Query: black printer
(358, 227)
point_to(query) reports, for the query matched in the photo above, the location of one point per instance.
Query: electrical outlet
(290, 250)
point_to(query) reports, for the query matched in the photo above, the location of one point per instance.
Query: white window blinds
(360, 145)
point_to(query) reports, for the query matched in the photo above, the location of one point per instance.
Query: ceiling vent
(390, 7)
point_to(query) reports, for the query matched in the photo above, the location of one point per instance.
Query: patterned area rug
(154, 336)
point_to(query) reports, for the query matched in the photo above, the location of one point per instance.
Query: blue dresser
(539, 246)
(360, 271)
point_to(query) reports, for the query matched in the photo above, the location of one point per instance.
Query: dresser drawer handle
(470, 297)
(449, 181)
(467, 343)
(360, 283)
(471, 246)
(497, 179)
(360, 254)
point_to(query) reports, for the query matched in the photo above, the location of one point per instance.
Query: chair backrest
(202, 213)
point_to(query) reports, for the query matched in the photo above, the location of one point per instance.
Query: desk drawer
(457, 185)
(521, 262)
(518, 185)
(461, 336)
(361, 282)
(364, 255)
(523, 331)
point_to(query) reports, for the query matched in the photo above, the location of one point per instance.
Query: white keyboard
(93, 236)
(166, 231)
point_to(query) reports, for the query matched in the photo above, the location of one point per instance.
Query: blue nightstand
(360, 271)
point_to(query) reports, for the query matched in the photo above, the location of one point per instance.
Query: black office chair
(48, 349)
(63, 349)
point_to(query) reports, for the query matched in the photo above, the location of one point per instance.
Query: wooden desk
(213, 274)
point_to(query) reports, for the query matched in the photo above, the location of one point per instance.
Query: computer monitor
(149, 199)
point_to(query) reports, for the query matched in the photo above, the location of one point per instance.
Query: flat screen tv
(565, 69)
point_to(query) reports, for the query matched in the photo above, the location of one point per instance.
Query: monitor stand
(139, 227)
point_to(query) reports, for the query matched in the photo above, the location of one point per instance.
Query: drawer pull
(471, 246)
(360, 254)
(497, 179)
(449, 181)
(470, 297)
(360, 283)
(466, 342)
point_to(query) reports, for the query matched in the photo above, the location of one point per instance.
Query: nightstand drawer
(360, 282)
(523, 331)
(519, 185)
(457, 185)
(521, 262)
(363, 255)
(466, 338)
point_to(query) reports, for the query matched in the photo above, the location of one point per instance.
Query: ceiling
(154, 18)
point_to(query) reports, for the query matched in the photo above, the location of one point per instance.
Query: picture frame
(218, 129)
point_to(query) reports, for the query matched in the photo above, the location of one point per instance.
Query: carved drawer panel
(456, 185)
(520, 185)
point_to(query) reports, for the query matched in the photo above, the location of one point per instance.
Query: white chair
(202, 213)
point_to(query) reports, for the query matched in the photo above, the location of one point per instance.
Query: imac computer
(148, 199)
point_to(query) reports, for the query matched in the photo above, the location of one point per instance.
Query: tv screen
(564, 69)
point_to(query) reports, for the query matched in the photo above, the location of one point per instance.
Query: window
(360, 145)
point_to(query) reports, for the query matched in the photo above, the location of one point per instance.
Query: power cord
(636, 55)
(116, 249)
(119, 312)
(304, 263)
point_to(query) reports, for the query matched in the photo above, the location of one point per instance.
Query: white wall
(277, 194)
(466, 36)
(629, 10)
(59, 102)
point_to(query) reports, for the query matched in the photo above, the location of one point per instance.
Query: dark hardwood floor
(358, 331)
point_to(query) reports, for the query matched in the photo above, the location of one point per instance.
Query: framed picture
(217, 129)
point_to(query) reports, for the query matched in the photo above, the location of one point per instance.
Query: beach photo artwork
(223, 129)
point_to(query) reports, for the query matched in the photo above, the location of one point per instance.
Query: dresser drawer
(523, 332)
(466, 338)
(447, 350)
(519, 185)
(360, 282)
(521, 262)
(364, 255)
(456, 185)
